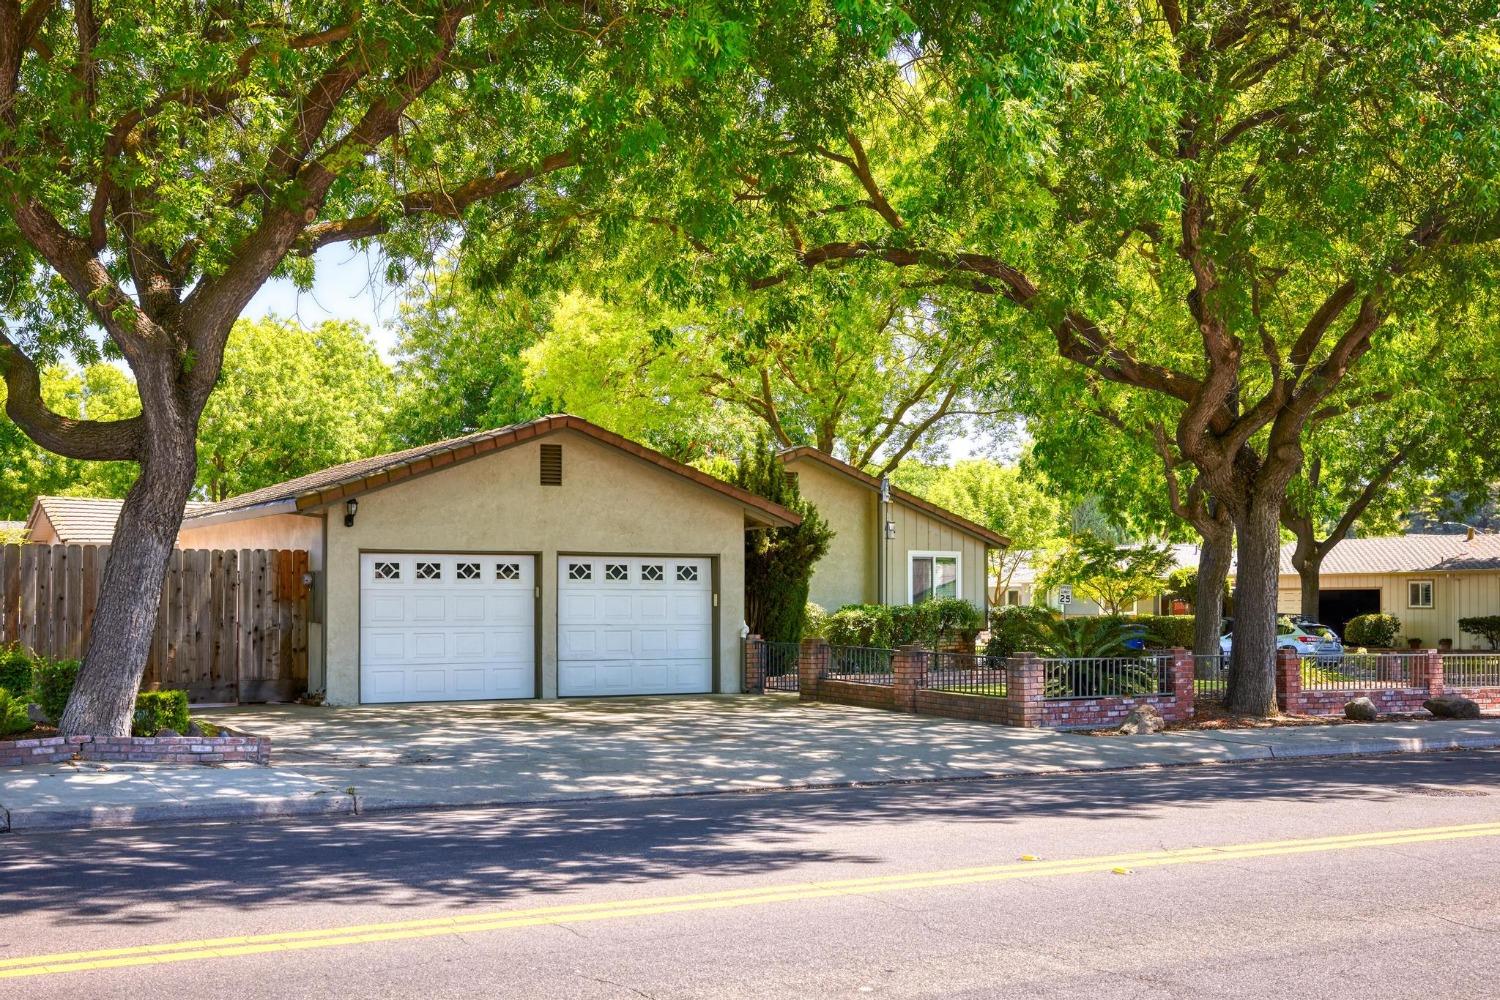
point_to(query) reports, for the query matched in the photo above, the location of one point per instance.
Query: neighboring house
(889, 546)
(89, 521)
(546, 559)
(1427, 581)
(1024, 588)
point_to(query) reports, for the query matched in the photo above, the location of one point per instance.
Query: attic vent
(551, 465)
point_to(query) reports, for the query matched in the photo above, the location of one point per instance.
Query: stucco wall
(846, 575)
(1454, 596)
(274, 531)
(609, 502)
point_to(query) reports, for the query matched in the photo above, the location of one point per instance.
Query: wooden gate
(232, 624)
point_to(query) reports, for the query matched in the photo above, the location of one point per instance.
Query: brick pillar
(811, 661)
(1289, 680)
(1435, 681)
(752, 680)
(1025, 688)
(1184, 683)
(907, 669)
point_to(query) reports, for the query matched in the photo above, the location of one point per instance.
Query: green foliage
(816, 621)
(13, 717)
(16, 666)
(1018, 628)
(1165, 631)
(52, 685)
(158, 710)
(861, 625)
(1487, 627)
(1378, 630)
(1113, 576)
(929, 624)
(779, 562)
(1074, 638)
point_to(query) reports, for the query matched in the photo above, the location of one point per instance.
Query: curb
(346, 804)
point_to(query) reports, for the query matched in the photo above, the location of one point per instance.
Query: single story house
(546, 559)
(1024, 587)
(1427, 581)
(889, 546)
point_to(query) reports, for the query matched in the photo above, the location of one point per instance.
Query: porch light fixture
(351, 507)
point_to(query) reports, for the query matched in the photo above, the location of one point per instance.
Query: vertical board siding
(232, 625)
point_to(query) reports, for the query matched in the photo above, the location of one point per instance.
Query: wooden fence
(232, 624)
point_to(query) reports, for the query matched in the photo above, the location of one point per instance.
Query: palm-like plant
(1076, 638)
(1079, 644)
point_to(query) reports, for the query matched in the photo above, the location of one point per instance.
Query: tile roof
(352, 478)
(1407, 554)
(910, 499)
(82, 520)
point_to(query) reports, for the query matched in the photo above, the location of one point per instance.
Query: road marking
(497, 920)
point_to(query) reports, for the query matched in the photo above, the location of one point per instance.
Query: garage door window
(616, 572)
(580, 571)
(429, 571)
(467, 571)
(507, 571)
(652, 573)
(687, 574)
(387, 571)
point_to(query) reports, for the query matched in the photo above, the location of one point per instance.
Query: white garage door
(446, 628)
(633, 625)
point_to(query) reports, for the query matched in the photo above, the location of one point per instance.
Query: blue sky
(347, 286)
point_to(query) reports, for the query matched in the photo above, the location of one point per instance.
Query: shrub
(13, 717)
(860, 625)
(15, 671)
(1377, 630)
(52, 684)
(779, 561)
(954, 619)
(1017, 628)
(815, 621)
(158, 710)
(1084, 638)
(1487, 627)
(1166, 631)
(913, 623)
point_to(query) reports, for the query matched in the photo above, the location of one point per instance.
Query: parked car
(1307, 637)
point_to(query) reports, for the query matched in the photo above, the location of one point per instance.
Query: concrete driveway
(461, 754)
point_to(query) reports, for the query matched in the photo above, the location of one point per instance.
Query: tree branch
(90, 440)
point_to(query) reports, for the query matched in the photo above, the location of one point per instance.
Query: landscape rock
(167, 731)
(1452, 706)
(1142, 719)
(1361, 710)
(36, 715)
(194, 729)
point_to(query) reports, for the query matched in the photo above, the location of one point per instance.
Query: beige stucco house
(547, 559)
(889, 546)
(1427, 581)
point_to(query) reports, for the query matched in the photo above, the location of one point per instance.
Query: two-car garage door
(437, 627)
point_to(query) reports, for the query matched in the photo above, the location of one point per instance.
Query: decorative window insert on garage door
(634, 625)
(440, 627)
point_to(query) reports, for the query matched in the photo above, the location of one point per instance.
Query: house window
(467, 571)
(1419, 593)
(1013, 598)
(507, 571)
(651, 573)
(616, 572)
(429, 571)
(931, 575)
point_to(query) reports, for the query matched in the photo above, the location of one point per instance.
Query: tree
(1112, 576)
(291, 401)
(1010, 500)
(458, 359)
(1227, 209)
(158, 163)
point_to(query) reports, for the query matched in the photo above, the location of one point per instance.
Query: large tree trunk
(1252, 677)
(1208, 599)
(124, 621)
(1308, 571)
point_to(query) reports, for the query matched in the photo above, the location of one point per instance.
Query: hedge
(1376, 630)
(158, 710)
(1018, 627)
(52, 684)
(887, 627)
(1165, 631)
(1487, 627)
(15, 671)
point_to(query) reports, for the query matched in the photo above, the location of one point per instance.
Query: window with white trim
(467, 571)
(429, 571)
(1419, 593)
(580, 571)
(507, 571)
(616, 572)
(931, 575)
(1013, 598)
(387, 571)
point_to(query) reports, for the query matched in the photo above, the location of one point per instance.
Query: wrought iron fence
(1364, 670)
(1471, 669)
(965, 673)
(1210, 675)
(860, 664)
(776, 665)
(1107, 676)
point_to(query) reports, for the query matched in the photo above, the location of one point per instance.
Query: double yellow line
(499, 920)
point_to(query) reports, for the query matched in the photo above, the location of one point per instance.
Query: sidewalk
(597, 764)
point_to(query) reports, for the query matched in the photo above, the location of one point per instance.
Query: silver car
(1308, 638)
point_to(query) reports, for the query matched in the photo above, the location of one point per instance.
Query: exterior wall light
(351, 507)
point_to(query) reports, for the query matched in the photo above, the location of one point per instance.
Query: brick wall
(1101, 713)
(144, 749)
(974, 707)
(854, 693)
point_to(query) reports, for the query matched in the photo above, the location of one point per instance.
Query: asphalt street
(1369, 877)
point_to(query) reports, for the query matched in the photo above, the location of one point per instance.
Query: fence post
(1184, 683)
(907, 668)
(1025, 688)
(753, 680)
(1289, 680)
(812, 658)
(1436, 682)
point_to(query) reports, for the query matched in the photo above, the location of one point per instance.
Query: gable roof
(81, 520)
(351, 479)
(963, 524)
(1407, 554)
